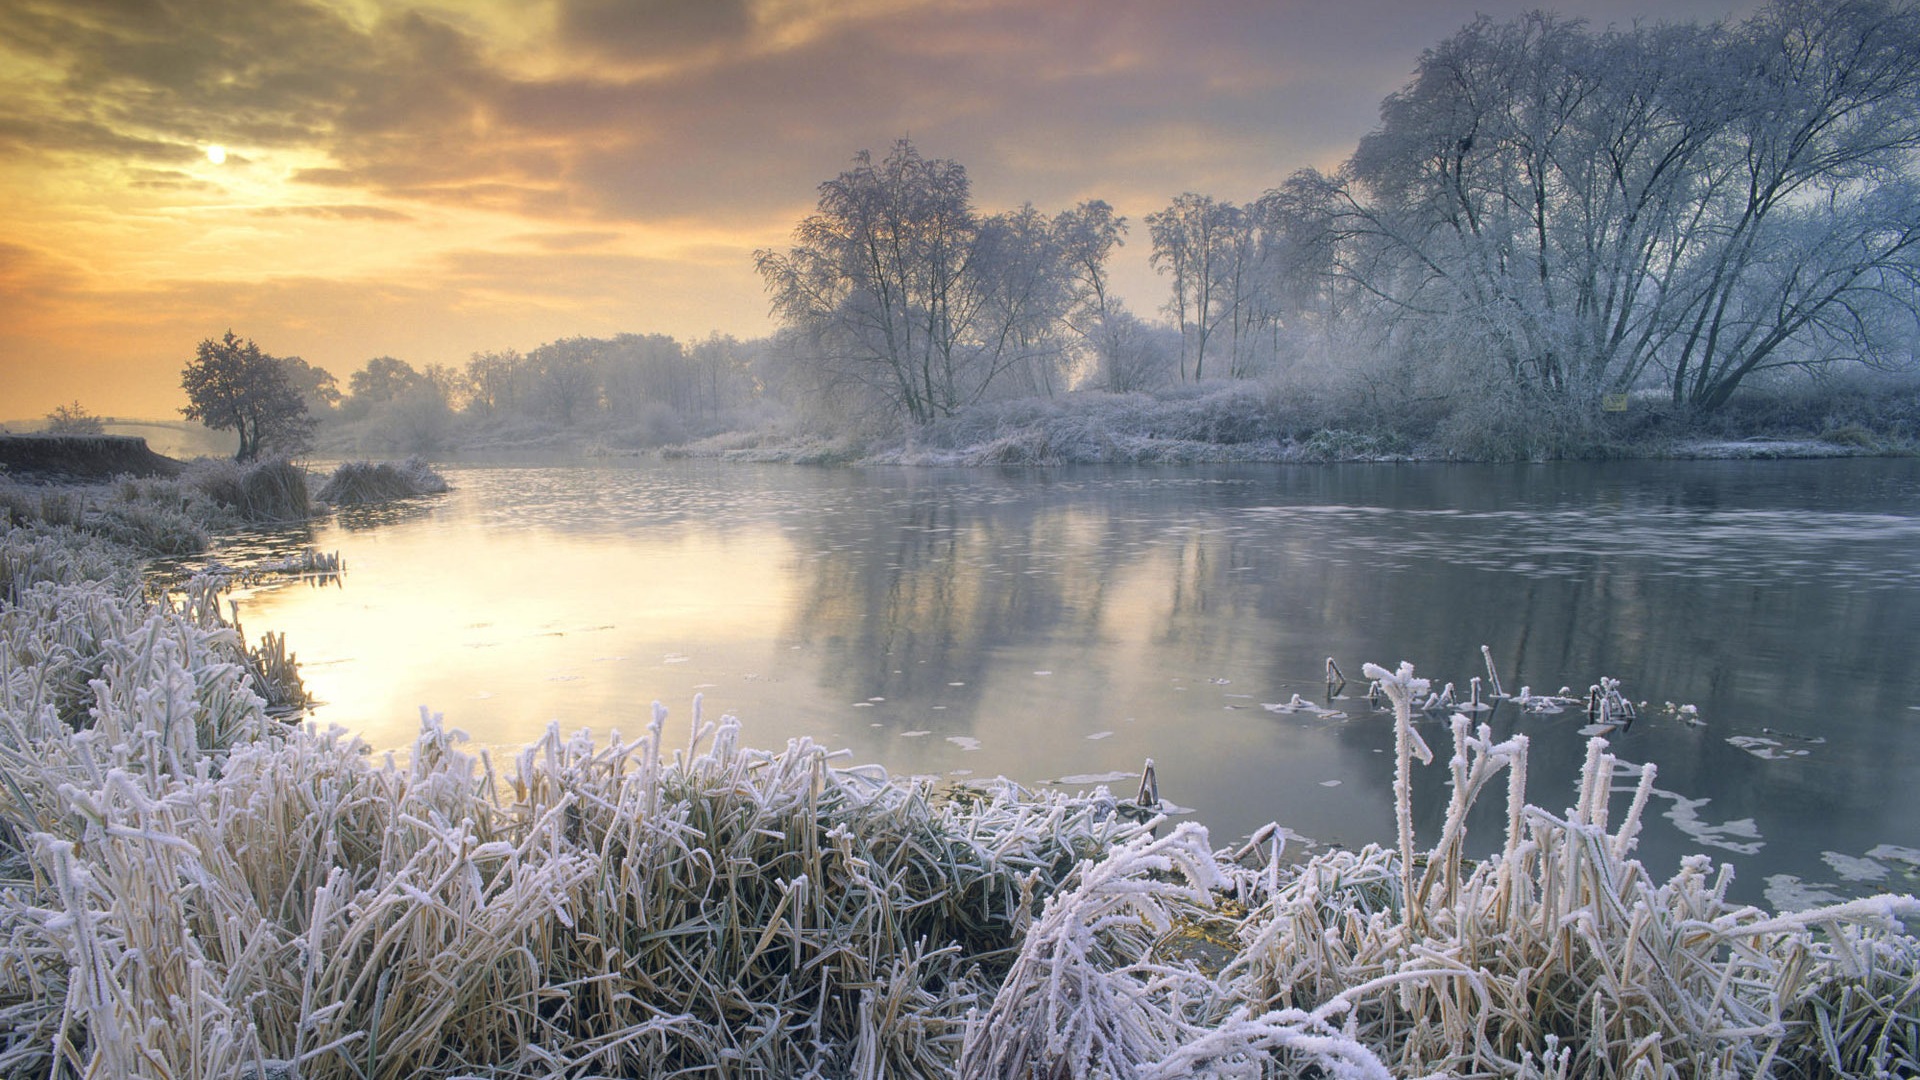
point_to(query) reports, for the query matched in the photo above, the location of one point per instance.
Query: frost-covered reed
(1559, 956)
(166, 515)
(197, 890)
(359, 483)
(189, 888)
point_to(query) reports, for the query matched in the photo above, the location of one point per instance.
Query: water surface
(1065, 625)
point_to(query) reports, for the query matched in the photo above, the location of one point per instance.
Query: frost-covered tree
(1088, 235)
(495, 380)
(232, 386)
(1193, 242)
(382, 380)
(1020, 296)
(1229, 267)
(1592, 211)
(564, 377)
(904, 294)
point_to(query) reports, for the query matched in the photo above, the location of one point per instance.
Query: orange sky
(425, 180)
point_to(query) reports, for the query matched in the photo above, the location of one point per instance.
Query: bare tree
(564, 378)
(1087, 236)
(1590, 210)
(1193, 243)
(495, 380)
(903, 293)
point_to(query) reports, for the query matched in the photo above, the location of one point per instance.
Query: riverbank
(80, 459)
(1215, 422)
(197, 890)
(1248, 422)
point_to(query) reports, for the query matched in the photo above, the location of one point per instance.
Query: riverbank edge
(1034, 448)
(81, 458)
(1214, 423)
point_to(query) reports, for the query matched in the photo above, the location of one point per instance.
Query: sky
(345, 179)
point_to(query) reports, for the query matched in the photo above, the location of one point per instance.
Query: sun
(217, 154)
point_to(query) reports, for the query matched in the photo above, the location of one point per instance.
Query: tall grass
(1558, 957)
(198, 890)
(166, 515)
(358, 483)
(260, 492)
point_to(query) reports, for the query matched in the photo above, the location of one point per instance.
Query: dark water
(1068, 624)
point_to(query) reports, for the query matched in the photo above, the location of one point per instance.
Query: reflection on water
(1068, 624)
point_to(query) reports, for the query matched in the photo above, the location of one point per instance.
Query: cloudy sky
(342, 179)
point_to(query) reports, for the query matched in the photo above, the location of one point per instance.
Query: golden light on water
(504, 633)
(217, 154)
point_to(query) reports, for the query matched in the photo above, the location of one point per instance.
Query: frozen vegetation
(357, 483)
(165, 515)
(190, 887)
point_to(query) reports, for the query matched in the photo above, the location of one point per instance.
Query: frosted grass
(190, 888)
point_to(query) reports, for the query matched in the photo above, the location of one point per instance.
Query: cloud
(569, 241)
(483, 175)
(744, 109)
(649, 29)
(335, 212)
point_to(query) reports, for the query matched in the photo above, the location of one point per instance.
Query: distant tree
(907, 297)
(317, 386)
(73, 419)
(495, 380)
(1022, 292)
(1194, 244)
(232, 386)
(382, 380)
(639, 371)
(564, 377)
(1087, 235)
(448, 383)
(722, 368)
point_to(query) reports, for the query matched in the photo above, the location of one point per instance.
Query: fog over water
(1067, 624)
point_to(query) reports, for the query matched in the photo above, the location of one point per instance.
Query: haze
(352, 179)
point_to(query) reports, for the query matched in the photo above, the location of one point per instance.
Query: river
(1064, 625)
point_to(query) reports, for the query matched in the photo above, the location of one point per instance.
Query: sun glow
(217, 154)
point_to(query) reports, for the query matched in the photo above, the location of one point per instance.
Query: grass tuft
(359, 483)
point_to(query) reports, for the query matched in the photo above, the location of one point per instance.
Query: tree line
(1547, 214)
(1546, 210)
(276, 404)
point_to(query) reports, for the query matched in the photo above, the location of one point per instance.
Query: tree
(317, 386)
(495, 380)
(447, 383)
(564, 376)
(1087, 235)
(1194, 242)
(903, 294)
(73, 419)
(1018, 301)
(1682, 204)
(383, 380)
(232, 386)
